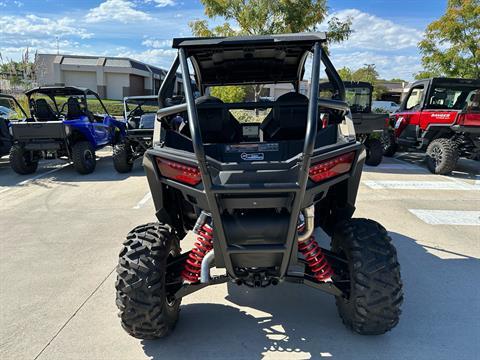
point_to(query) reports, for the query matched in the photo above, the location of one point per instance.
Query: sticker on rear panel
(252, 156)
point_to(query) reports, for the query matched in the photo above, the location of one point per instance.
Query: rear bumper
(43, 145)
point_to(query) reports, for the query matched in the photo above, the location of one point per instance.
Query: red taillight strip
(186, 174)
(331, 167)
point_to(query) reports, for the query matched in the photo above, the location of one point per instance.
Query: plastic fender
(118, 128)
(85, 127)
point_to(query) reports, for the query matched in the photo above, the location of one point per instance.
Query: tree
(345, 73)
(367, 73)
(451, 44)
(425, 75)
(260, 17)
(229, 94)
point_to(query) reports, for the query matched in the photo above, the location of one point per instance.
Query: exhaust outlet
(309, 215)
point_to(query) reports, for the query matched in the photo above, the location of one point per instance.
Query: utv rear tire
(374, 152)
(145, 309)
(372, 306)
(20, 161)
(83, 156)
(388, 143)
(122, 158)
(442, 156)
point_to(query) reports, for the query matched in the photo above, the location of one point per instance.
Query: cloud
(158, 57)
(388, 66)
(116, 10)
(157, 44)
(34, 32)
(163, 3)
(373, 33)
(35, 26)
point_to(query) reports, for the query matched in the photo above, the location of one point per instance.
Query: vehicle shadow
(415, 164)
(46, 173)
(440, 318)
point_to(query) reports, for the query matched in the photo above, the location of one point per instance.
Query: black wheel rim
(88, 157)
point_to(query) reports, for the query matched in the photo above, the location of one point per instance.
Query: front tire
(372, 305)
(21, 162)
(442, 156)
(83, 156)
(374, 152)
(122, 158)
(147, 310)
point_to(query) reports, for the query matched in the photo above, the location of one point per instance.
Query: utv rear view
(252, 193)
(140, 113)
(62, 125)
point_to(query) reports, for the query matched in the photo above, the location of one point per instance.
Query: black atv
(140, 113)
(370, 127)
(253, 194)
(10, 110)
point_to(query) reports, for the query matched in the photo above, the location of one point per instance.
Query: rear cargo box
(38, 130)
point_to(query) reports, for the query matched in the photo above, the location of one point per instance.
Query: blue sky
(385, 31)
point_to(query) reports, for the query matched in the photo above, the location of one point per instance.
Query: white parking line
(25, 182)
(144, 200)
(420, 185)
(400, 166)
(447, 217)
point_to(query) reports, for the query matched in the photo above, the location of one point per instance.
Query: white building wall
(44, 69)
(115, 84)
(87, 79)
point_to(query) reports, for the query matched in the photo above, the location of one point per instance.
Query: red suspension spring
(203, 245)
(316, 260)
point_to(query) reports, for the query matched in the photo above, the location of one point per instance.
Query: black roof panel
(60, 90)
(255, 40)
(249, 59)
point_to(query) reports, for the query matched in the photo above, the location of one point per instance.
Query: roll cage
(53, 91)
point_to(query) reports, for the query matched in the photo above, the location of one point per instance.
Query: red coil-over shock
(316, 260)
(203, 245)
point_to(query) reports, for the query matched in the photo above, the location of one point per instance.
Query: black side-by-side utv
(252, 194)
(140, 113)
(370, 127)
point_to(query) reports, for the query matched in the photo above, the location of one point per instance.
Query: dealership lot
(61, 233)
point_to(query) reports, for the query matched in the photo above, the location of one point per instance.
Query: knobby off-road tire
(374, 152)
(442, 156)
(20, 161)
(146, 311)
(122, 158)
(375, 294)
(83, 156)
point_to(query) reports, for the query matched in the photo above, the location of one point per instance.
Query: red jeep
(441, 116)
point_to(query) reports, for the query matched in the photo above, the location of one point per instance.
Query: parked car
(440, 116)
(252, 193)
(61, 126)
(10, 111)
(140, 114)
(369, 126)
(387, 106)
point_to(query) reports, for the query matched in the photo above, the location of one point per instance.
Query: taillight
(177, 171)
(331, 167)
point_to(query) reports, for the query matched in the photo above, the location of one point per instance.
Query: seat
(43, 111)
(217, 124)
(74, 110)
(287, 122)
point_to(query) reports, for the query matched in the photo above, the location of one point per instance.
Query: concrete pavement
(61, 233)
